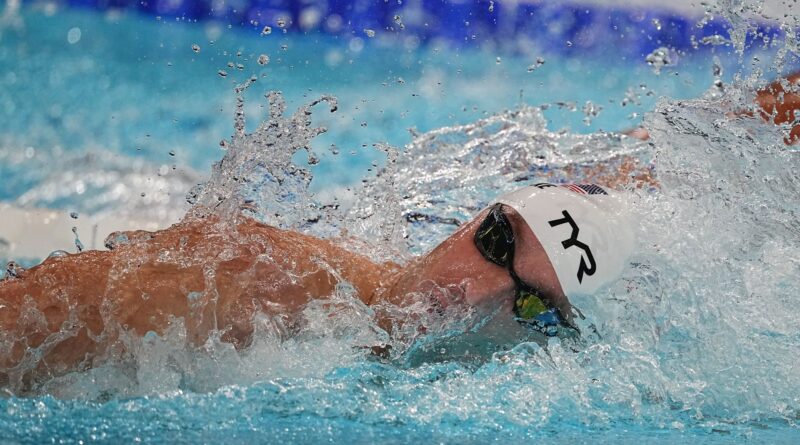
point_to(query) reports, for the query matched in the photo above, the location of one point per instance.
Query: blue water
(682, 369)
(132, 85)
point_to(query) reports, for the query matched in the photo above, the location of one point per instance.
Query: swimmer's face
(458, 266)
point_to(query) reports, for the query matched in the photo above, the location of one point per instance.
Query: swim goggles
(495, 241)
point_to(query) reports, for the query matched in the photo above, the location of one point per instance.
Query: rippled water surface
(697, 342)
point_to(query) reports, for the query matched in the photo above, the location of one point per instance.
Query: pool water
(132, 85)
(697, 342)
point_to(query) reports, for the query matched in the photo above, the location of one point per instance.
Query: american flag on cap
(585, 189)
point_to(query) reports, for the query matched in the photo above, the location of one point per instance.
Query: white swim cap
(584, 229)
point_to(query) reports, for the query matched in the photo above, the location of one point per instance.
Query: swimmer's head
(584, 229)
(528, 252)
(555, 242)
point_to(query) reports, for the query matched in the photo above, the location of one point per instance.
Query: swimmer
(524, 255)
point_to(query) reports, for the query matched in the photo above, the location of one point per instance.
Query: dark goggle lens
(494, 238)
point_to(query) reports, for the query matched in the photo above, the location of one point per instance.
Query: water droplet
(498, 60)
(14, 270)
(195, 47)
(230, 65)
(569, 105)
(659, 58)
(281, 22)
(590, 111)
(58, 254)
(222, 73)
(78, 243)
(73, 215)
(714, 40)
(491, 6)
(369, 32)
(364, 123)
(399, 21)
(569, 43)
(116, 239)
(172, 152)
(239, 67)
(194, 194)
(266, 31)
(74, 35)
(263, 59)
(539, 62)
(657, 24)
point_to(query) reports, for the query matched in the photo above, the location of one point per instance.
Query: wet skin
(216, 276)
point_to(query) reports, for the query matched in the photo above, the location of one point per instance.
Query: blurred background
(118, 107)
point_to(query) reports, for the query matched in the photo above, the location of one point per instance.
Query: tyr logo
(583, 269)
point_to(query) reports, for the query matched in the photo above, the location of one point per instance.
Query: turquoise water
(133, 86)
(702, 349)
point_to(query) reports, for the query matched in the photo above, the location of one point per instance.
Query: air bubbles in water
(281, 22)
(491, 6)
(222, 73)
(266, 31)
(369, 32)
(73, 215)
(195, 47)
(263, 59)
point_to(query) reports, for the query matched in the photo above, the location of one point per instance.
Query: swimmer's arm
(208, 276)
(777, 105)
